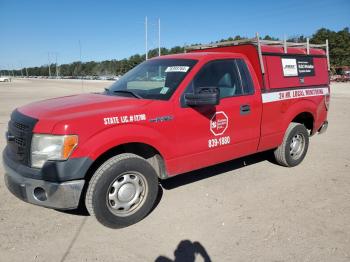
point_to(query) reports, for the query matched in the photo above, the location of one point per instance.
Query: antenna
(159, 37)
(146, 40)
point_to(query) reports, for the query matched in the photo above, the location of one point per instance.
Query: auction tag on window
(164, 90)
(182, 69)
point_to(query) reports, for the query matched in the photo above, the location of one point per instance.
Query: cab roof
(201, 55)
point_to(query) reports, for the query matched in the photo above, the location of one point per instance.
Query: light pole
(146, 35)
(159, 37)
(56, 66)
(48, 58)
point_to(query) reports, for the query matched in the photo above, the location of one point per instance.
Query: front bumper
(65, 195)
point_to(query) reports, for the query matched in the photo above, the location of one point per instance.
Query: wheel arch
(144, 150)
(305, 118)
(302, 112)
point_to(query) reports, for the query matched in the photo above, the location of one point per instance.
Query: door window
(222, 74)
(247, 82)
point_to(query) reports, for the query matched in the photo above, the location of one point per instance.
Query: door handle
(244, 109)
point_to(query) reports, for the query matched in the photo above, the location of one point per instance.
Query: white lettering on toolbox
(292, 94)
(124, 119)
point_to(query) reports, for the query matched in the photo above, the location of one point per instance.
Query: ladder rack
(258, 42)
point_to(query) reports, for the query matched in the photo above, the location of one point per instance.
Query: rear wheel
(294, 147)
(122, 191)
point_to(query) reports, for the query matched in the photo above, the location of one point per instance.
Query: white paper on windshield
(182, 69)
(164, 90)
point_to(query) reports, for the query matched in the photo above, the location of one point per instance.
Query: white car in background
(5, 79)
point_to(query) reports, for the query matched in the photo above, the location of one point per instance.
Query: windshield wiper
(128, 92)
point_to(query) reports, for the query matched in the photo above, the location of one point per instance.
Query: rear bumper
(323, 128)
(65, 195)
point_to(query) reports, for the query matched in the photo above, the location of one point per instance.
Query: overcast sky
(29, 30)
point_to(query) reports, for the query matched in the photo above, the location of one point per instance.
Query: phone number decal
(215, 142)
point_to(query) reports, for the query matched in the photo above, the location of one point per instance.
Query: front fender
(101, 142)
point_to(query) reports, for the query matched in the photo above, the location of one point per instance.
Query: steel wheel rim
(297, 146)
(126, 194)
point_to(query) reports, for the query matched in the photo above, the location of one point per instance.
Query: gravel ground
(243, 210)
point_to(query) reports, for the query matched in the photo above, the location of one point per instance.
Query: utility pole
(48, 58)
(13, 75)
(27, 72)
(159, 37)
(81, 65)
(146, 22)
(56, 66)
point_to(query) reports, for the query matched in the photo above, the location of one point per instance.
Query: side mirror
(203, 96)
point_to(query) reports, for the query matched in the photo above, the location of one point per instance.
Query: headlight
(51, 147)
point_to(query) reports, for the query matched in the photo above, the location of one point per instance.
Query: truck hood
(69, 107)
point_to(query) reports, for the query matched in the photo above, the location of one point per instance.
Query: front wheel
(295, 144)
(122, 191)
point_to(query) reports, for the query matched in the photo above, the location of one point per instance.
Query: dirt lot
(244, 210)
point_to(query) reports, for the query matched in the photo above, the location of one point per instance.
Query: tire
(294, 147)
(122, 191)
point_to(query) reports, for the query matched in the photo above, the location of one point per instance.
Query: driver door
(209, 134)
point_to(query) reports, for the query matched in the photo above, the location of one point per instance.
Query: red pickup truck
(167, 116)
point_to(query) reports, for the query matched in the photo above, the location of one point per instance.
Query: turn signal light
(70, 143)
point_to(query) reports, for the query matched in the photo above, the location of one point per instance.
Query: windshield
(153, 79)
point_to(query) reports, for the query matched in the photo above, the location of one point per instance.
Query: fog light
(40, 194)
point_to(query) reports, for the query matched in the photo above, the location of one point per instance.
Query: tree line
(339, 46)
